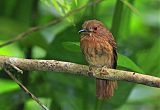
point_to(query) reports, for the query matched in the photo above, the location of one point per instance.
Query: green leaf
(124, 61)
(131, 7)
(116, 20)
(55, 4)
(124, 29)
(71, 46)
(76, 2)
(62, 7)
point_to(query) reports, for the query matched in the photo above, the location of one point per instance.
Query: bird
(99, 48)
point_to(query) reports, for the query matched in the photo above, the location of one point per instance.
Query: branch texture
(77, 69)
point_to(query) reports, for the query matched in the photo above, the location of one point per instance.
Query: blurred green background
(135, 25)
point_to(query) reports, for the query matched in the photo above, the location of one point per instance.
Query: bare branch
(51, 23)
(77, 69)
(8, 65)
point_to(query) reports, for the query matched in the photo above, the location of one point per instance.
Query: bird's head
(93, 26)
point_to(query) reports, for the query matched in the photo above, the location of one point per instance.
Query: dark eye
(95, 28)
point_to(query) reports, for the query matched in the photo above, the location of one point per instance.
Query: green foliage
(62, 7)
(129, 5)
(154, 52)
(7, 86)
(72, 46)
(125, 62)
(137, 40)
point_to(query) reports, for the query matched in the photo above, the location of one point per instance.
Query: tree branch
(51, 23)
(10, 65)
(77, 69)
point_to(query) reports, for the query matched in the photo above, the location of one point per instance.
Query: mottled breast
(97, 50)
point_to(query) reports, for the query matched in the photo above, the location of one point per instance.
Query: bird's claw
(102, 71)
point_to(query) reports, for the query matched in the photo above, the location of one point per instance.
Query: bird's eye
(95, 28)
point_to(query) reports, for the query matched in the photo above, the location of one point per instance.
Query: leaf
(130, 6)
(76, 2)
(62, 7)
(55, 4)
(124, 28)
(116, 20)
(124, 61)
(71, 46)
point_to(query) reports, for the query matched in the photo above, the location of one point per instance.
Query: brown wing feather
(112, 42)
(115, 58)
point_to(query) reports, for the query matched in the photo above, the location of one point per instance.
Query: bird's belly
(98, 51)
(99, 58)
(97, 61)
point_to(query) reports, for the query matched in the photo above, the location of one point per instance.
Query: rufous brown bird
(99, 47)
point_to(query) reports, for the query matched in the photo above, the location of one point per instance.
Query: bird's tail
(105, 88)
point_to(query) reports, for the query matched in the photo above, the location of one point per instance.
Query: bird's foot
(103, 72)
(94, 69)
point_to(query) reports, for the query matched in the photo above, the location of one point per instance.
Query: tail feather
(105, 88)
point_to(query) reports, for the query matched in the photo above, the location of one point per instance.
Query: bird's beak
(83, 30)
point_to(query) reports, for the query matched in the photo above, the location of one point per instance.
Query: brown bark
(77, 69)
